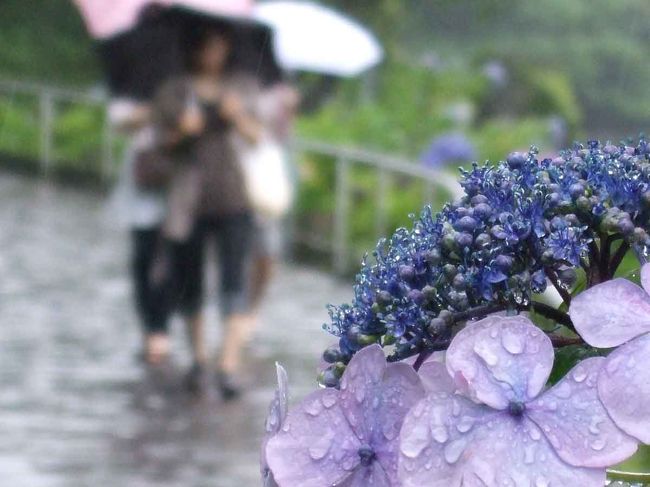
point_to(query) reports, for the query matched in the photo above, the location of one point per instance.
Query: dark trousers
(151, 298)
(233, 234)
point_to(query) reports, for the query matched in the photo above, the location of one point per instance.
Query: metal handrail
(344, 158)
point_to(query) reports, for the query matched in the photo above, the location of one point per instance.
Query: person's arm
(249, 127)
(128, 116)
(175, 119)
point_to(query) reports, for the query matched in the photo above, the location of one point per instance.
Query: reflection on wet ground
(76, 407)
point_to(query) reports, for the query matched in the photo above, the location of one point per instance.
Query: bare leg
(156, 348)
(195, 330)
(233, 342)
(262, 272)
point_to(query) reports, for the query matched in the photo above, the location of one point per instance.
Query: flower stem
(631, 477)
(560, 341)
(618, 258)
(594, 276)
(422, 357)
(553, 313)
(478, 312)
(566, 297)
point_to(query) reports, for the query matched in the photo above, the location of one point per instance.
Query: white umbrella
(310, 37)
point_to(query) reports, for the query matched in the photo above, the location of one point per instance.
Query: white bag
(266, 173)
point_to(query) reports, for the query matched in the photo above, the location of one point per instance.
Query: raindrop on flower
(454, 450)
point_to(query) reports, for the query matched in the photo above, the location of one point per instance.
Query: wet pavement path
(76, 407)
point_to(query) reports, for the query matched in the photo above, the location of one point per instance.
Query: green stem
(631, 477)
(553, 313)
(566, 297)
(618, 258)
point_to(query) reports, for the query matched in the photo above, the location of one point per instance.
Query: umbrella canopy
(310, 37)
(108, 18)
(143, 46)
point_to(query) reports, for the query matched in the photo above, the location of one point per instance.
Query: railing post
(46, 128)
(341, 216)
(382, 200)
(107, 149)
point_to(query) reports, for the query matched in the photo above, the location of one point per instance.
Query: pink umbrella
(107, 18)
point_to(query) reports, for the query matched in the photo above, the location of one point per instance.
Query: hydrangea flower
(522, 223)
(499, 427)
(278, 410)
(347, 437)
(610, 314)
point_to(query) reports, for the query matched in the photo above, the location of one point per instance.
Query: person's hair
(202, 36)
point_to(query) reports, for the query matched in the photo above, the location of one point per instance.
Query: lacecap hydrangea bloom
(523, 224)
(348, 436)
(466, 283)
(499, 427)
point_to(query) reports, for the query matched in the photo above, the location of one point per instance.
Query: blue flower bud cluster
(521, 224)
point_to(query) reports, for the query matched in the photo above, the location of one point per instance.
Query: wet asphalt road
(76, 407)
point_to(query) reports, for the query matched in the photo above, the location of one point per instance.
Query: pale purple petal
(645, 277)
(436, 378)
(361, 379)
(501, 359)
(372, 476)
(438, 356)
(280, 406)
(449, 441)
(278, 410)
(316, 445)
(611, 313)
(400, 389)
(575, 422)
(624, 387)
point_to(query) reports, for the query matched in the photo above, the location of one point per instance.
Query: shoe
(195, 379)
(228, 386)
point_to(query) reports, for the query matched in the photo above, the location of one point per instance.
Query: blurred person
(142, 210)
(276, 107)
(207, 199)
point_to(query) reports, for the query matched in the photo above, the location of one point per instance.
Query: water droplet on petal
(321, 446)
(439, 434)
(594, 426)
(454, 450)
(390, 431)
(579, 374)
(360, 394)
(484, 351)
(598, 444)
(418, 410)
(329, 400)
(513, 343)
(529, 454)
(534, 434)
(415, 441)
(313, 408)
(375, 402)
(465, 424)
(541, 482)
(455, 408)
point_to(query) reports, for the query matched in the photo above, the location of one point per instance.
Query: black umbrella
(161, 44)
